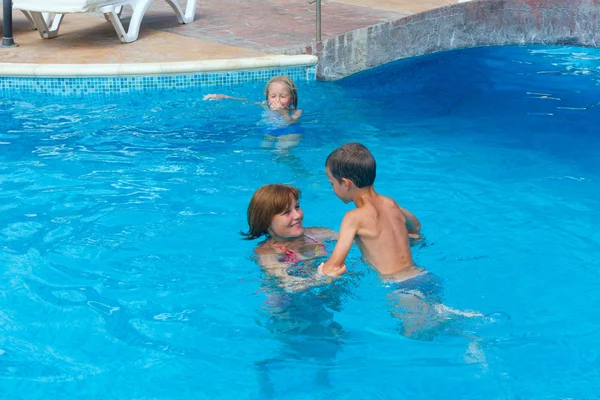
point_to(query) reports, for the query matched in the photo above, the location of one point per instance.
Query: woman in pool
(301, 320)
(289, 250)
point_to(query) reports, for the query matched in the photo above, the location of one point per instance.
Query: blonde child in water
(275, 213)
(281, 96)
(280, 115)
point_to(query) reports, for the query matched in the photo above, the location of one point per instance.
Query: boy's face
(338, 188)
(288, 223)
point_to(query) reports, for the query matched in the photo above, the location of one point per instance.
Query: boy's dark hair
(352, 161)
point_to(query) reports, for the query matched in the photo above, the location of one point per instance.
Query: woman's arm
(271, 264)
(322, 234)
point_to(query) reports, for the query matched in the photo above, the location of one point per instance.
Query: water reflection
(304, 325)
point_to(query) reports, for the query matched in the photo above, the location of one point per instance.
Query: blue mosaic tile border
(119, 85)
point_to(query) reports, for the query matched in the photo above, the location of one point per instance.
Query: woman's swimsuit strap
(290, 255)
(315, 241)
(293, 257)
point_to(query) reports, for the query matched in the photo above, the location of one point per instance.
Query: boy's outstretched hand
(333, 272)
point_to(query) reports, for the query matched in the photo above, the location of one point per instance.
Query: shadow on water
(116, 317)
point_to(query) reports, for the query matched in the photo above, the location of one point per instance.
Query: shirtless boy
(379, 226)
(383, 232)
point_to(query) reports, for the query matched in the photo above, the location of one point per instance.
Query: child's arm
(291, 118)
(413, 226)
(213, 96)
(334, 266)
(412, 223)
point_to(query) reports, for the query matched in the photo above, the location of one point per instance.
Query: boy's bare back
(383, 237)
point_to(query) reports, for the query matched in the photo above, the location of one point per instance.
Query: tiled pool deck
(229, 41)
(223, 29)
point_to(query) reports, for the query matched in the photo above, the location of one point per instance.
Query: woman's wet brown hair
(287, 82)
(268, 201)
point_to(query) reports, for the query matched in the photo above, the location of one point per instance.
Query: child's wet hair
(352, 161)
(268, 201)
(287, 82)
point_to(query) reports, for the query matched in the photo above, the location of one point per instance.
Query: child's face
(339, 189)
(279, 96)
(288, 224)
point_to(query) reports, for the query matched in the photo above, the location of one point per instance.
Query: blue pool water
(123, 274)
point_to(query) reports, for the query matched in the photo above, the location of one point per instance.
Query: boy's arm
(333, 266)
(412, 223)
(413, 226)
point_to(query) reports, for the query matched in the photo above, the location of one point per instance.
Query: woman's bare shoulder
(263, 249)
(321, 233)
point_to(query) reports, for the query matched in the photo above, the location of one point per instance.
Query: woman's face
(288, 224)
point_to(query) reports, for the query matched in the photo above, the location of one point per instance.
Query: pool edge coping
(30, 70)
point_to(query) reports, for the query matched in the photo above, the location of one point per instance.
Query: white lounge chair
(46, 15)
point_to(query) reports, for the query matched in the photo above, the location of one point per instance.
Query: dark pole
(7, 31)
(318, 21)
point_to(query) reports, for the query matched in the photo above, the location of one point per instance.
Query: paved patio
(223, 29)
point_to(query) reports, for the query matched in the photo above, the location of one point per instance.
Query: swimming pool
(123, 274)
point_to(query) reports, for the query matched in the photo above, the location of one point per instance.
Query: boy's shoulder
(388, 201)
(356, 216)
(354, 213)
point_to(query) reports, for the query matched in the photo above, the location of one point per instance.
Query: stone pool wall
(463, 25)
